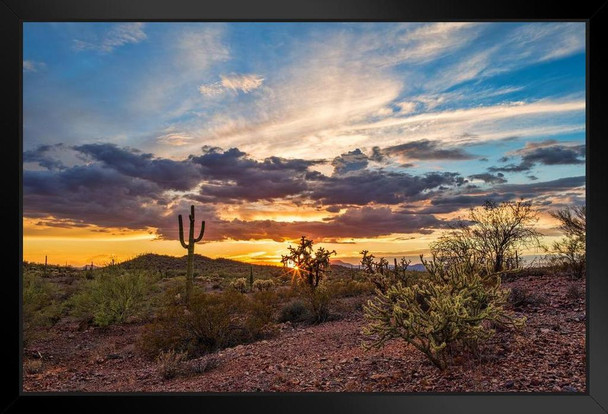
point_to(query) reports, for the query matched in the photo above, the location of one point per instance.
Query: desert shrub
(318, 301)
(202, 365)
(240, 285)
(349, 288)
(294, 311)
(112, 298)
(263, 284)
(449, 311)
(521, 297)
(212, 321)
(170, 364)
(41, 304)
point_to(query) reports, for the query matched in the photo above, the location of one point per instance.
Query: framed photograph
(364, 207)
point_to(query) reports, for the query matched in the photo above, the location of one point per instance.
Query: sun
(292, 265)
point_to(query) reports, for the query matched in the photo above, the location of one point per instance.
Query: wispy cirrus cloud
(118, 35)
(33, 66)
(244, 83)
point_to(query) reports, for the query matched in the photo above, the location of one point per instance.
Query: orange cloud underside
(86, 243)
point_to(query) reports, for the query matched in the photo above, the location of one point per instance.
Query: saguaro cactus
(190, 247)
(251, 278)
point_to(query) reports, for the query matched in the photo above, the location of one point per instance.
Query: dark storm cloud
(167, 174)
(377, 155)
(489, 178)
(509, 168)
(350, 161)
(453, 203)
(235, 177)
(471, 197)
(555, 155)
(355, 222)
(92, 194)
(127, 188)
(547, 152)
(41, 156)
(536, 188)
(428, 150)
(379, 187)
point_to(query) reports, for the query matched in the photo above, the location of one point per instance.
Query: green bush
(450, 311)
(112, 298)
(41, 304)
(349, 288)
(294, 311)
(212, 321)
(318, 300)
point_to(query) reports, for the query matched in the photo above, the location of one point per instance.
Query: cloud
(548, 152)
(33, 66)
(428, 150)
(118, 35)
(175, 139)
(545, 41)
(378, 187)
(43, 158)
(423, 43)
(473, 196)
(197, 48)
(489, 178)
(167, 174)
(233, 177)
(126, 188)
(350, 161)
(536, 188)
(234, 83)
(92, 194)
(354, 223)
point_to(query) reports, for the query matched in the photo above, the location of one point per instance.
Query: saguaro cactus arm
(181, 232)
(200, 236)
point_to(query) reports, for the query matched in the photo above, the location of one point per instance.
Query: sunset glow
(360, 136)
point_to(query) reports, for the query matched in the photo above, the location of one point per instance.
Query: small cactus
(251, 278)
(190, 247)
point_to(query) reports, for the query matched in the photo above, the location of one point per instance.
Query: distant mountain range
(418, 267)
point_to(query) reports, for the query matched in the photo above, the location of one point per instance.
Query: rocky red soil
(548, 355)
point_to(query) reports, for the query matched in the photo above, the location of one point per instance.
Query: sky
(374, 136)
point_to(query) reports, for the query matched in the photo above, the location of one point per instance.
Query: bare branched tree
(493, 236)
(570, 252)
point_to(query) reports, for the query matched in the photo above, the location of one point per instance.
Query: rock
(509, 384)
(535, 382)
(568, 388)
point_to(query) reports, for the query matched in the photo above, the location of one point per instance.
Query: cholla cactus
(443, 312)
(378, 273)
(239, 284)
(263, 284)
